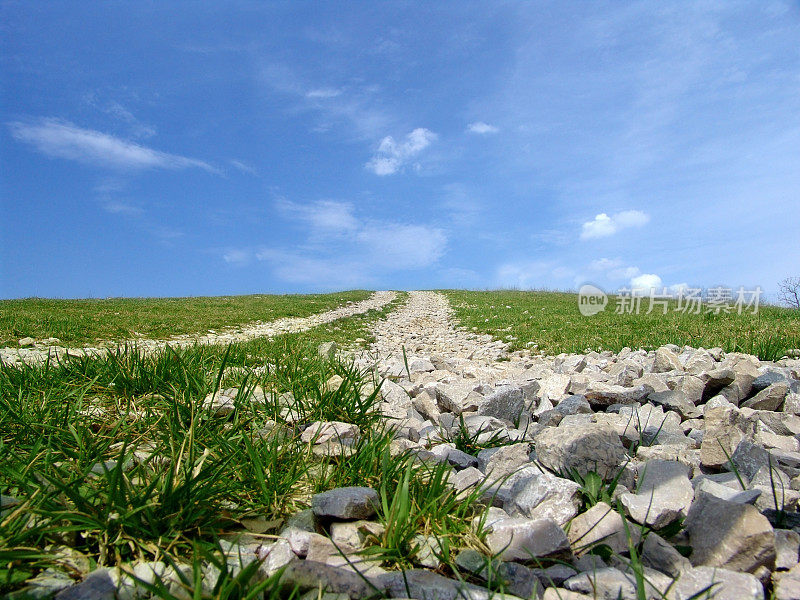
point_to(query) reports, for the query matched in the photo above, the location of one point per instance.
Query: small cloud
(120, 207)
(243, 167)
(604, 226)
(323, 93)
(236, 256)
(392, 155)
(62, 139)
(646, 282)
(323, 216)
(481, 128)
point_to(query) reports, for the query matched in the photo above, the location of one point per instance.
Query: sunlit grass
(86, 321)
(552, 322)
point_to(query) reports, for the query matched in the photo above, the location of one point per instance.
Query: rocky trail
(704, 447)
(39, 352)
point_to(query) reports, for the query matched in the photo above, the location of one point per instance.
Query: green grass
(551, 321)
(119, 458)
(87, 321)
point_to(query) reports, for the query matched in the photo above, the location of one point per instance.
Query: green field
(86, 321)
(551, 320)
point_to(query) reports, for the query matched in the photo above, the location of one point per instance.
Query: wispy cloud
(323, 93)
(604, 226)
(481, 128)
(355, 251)
(243, 167)
(391, 155)
(61, 139)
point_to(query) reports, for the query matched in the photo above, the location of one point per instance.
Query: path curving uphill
(246, 333)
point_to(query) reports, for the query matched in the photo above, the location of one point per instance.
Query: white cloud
(323, 93)
(244, 167)
(61, 139)
(322, 216)
(481, 128)
(236, 256)
(614, 269)
(645, 282)
(603, 225)
(392, 155)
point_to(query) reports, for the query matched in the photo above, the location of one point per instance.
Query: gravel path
(248, 332)
(424, 327)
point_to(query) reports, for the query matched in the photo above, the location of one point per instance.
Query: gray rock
(425, 585)
(504, 460)
(660, 555)
(765, 380)
(716, 583)
(666, 360)
(522, 539)
(770, 398)
(729, 535)
(544, 496)
(506, 403)
(609, 584)
(26, 342)
(604, 394)
(327, 350)
(748, 458)
(345, 503)
(787, 548)
(788, 585)
(454, 456)
(308, 575)
(601, 524)
(724, 492)
(321, 432)
(574, 405)
(664, 494)
(581, 448)
(676, 401)
(98, 585)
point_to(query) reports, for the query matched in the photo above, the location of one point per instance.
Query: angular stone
(544, 496)
(764, 380)
(610, 584)
(660, 555)
(770, 398)
(721, 436)
(724, 492)
(729, 535)
(522, 539)
(716, 583)
(787, 546)
(308, 575)
(506, 403)
(601, 524)
(788, 585)
(604, 394)
(504, 460)
(425, 585)
(666, 360)
(676, 401)
(98, 585)
(345, 503)
(581, 448)
(664, 494)
(574, 405)
(321, 432)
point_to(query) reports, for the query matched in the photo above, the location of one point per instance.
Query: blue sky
(190, 148)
